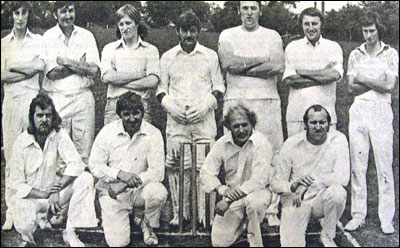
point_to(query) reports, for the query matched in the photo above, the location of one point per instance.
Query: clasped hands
(127, 180)
(299, 187)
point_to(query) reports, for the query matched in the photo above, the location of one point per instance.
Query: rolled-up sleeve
(351, 70)
(99, 156)
(153, 62)
(92, 52)
(290, 67)
(337, 56)
(155, 160)
(17, 171)
(49, 53)
(210, 169)
(164, 80)
(216, 75)
(280, 183)
(107, 60)
(70, 155)
(260, 170)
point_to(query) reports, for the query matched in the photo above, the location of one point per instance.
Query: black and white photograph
(199, 123)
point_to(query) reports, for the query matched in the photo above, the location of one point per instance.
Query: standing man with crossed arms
(313, 66)
(72, 61)
(252, 57)
(372, 75)
(191, 84)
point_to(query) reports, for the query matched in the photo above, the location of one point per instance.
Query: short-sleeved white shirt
(251, 44)
(13, 51)
(386, 61)
(142, 58)
(302, 55)
(82, 42)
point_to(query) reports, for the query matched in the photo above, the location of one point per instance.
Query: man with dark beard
(43, 184)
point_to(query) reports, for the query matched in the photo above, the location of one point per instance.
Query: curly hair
(251, 115)
(312, 12)
(43, 101)
(316, 108)
(371, 18)
(134, 14)
(129, 101)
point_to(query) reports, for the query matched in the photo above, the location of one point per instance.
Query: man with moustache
(191, 84)
(372, 75)
(72, 60)
(313, 172)
(252, 58)
(128, 159)
(48, 176)
(246, 156)
(313, 66)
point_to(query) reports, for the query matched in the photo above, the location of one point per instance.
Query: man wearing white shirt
(72, 60)
(48, 177)
(252, 58)
(128, 159)
(246, 156)
(313, 66)
(314, 169)
(372, 75)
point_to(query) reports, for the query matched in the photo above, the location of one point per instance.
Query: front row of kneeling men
(127, 159)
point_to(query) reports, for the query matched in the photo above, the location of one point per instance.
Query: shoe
(27, 240)
(273, 220)
(354, 224)
(174, 221)
(327, 242)
(387, 228)
(71, 239)
(8, 225)
(149, 237)
(44, 224)
(57, 220)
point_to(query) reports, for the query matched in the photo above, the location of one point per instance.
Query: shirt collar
(60, 33)
(144, 128)
(121, 43)
(305, 140)
(28, 34)
(254, 138)
(30, 138)
(198, 48)
(316, 44)
(363, 48)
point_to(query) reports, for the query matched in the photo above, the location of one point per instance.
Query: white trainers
(174, 221)
(149, 237)
(327, 242)
(354, 224)
(273, 220)
(71, 239)
(387, 228)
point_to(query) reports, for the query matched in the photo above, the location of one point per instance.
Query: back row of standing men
(252, 58)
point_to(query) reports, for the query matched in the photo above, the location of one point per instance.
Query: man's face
(188, 37)
(20, 18)
(128, 28)
(43, 119)
(249, 14)
(66, 16)
(132, 120)
(370, 34)
(240, 127)
(312, 27)
(317, 127)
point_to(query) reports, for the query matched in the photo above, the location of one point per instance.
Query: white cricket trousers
(115, 213)
(247, 212)
(79, 195)
(328, 204)
(15, 120)
(77, 112)
(371, 121)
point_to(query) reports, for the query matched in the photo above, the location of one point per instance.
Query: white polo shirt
(386, 61)
(260, 42)
(302, 55)
(14, 51)
(143, 58)
(82, 42)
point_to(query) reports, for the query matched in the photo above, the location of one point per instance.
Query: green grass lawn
(370, 235)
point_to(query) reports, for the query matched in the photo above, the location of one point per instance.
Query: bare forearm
(30, 68)
(82, 68)
(358, 89)
(299, 82)
(121, 78)
(66, 180)
(265, 70)
(12, 77)
(59, 72)
(238, 65)
(324, 76)
(149, 82)
(380, 85)
(37, 194)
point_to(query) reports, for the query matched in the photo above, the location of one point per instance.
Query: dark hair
(32, 18)
(251, 115)
(186, 20)
(43, 101)
(129, 101)
(134, 14)
(371, 18)
(61, 4)
(316, 108)
(312, 12)
(259, 4)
